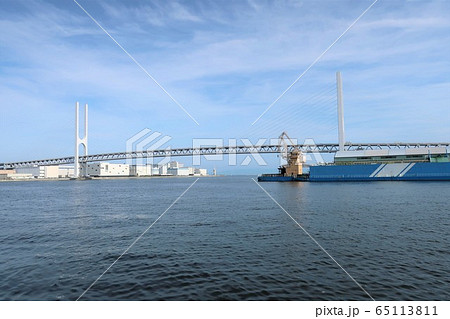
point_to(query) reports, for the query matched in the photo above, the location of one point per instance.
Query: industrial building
(144, 170)
(175, 164)
(163, 170)
(40, 171)
(102, 169)
(200, 171)
(173, 168)
(105, 169)
(65, 171)
(6, 172)
(179, 171)
(10, 174)
(47, 172)
(15, 176)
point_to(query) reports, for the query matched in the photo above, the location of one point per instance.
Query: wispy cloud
(150, 13)
(223, 61)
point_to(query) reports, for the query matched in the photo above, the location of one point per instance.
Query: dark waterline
(224, 240)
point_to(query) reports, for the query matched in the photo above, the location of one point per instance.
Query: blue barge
(415, 164)
(381, 172)
(368, 172)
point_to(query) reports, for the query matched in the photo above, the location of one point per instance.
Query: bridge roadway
(223, 150)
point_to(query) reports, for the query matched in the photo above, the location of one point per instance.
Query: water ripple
(224, 240)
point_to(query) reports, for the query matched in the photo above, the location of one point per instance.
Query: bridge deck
(313, 148)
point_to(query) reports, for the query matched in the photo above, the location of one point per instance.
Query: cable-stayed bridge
(247, 148)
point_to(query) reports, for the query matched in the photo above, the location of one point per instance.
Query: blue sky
(225, 62)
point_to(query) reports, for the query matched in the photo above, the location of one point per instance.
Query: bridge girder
(224, 150)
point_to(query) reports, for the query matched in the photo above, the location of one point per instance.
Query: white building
(40, 171)
(108, 170)
(12, 175)
(144, 170)
(140, 170)
(200, 171)
(163, 169)
(175, 164)
(179, 171)
(173, 168)
(5, 172)
(65, 171)
(15, 176)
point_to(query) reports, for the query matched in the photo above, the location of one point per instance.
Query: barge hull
(381, 172)
(369, 173)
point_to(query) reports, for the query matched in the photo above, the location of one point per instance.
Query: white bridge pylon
(80, 141)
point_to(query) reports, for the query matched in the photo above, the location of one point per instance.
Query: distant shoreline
(105, 177)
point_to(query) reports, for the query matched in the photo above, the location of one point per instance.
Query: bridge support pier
(80, 168)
